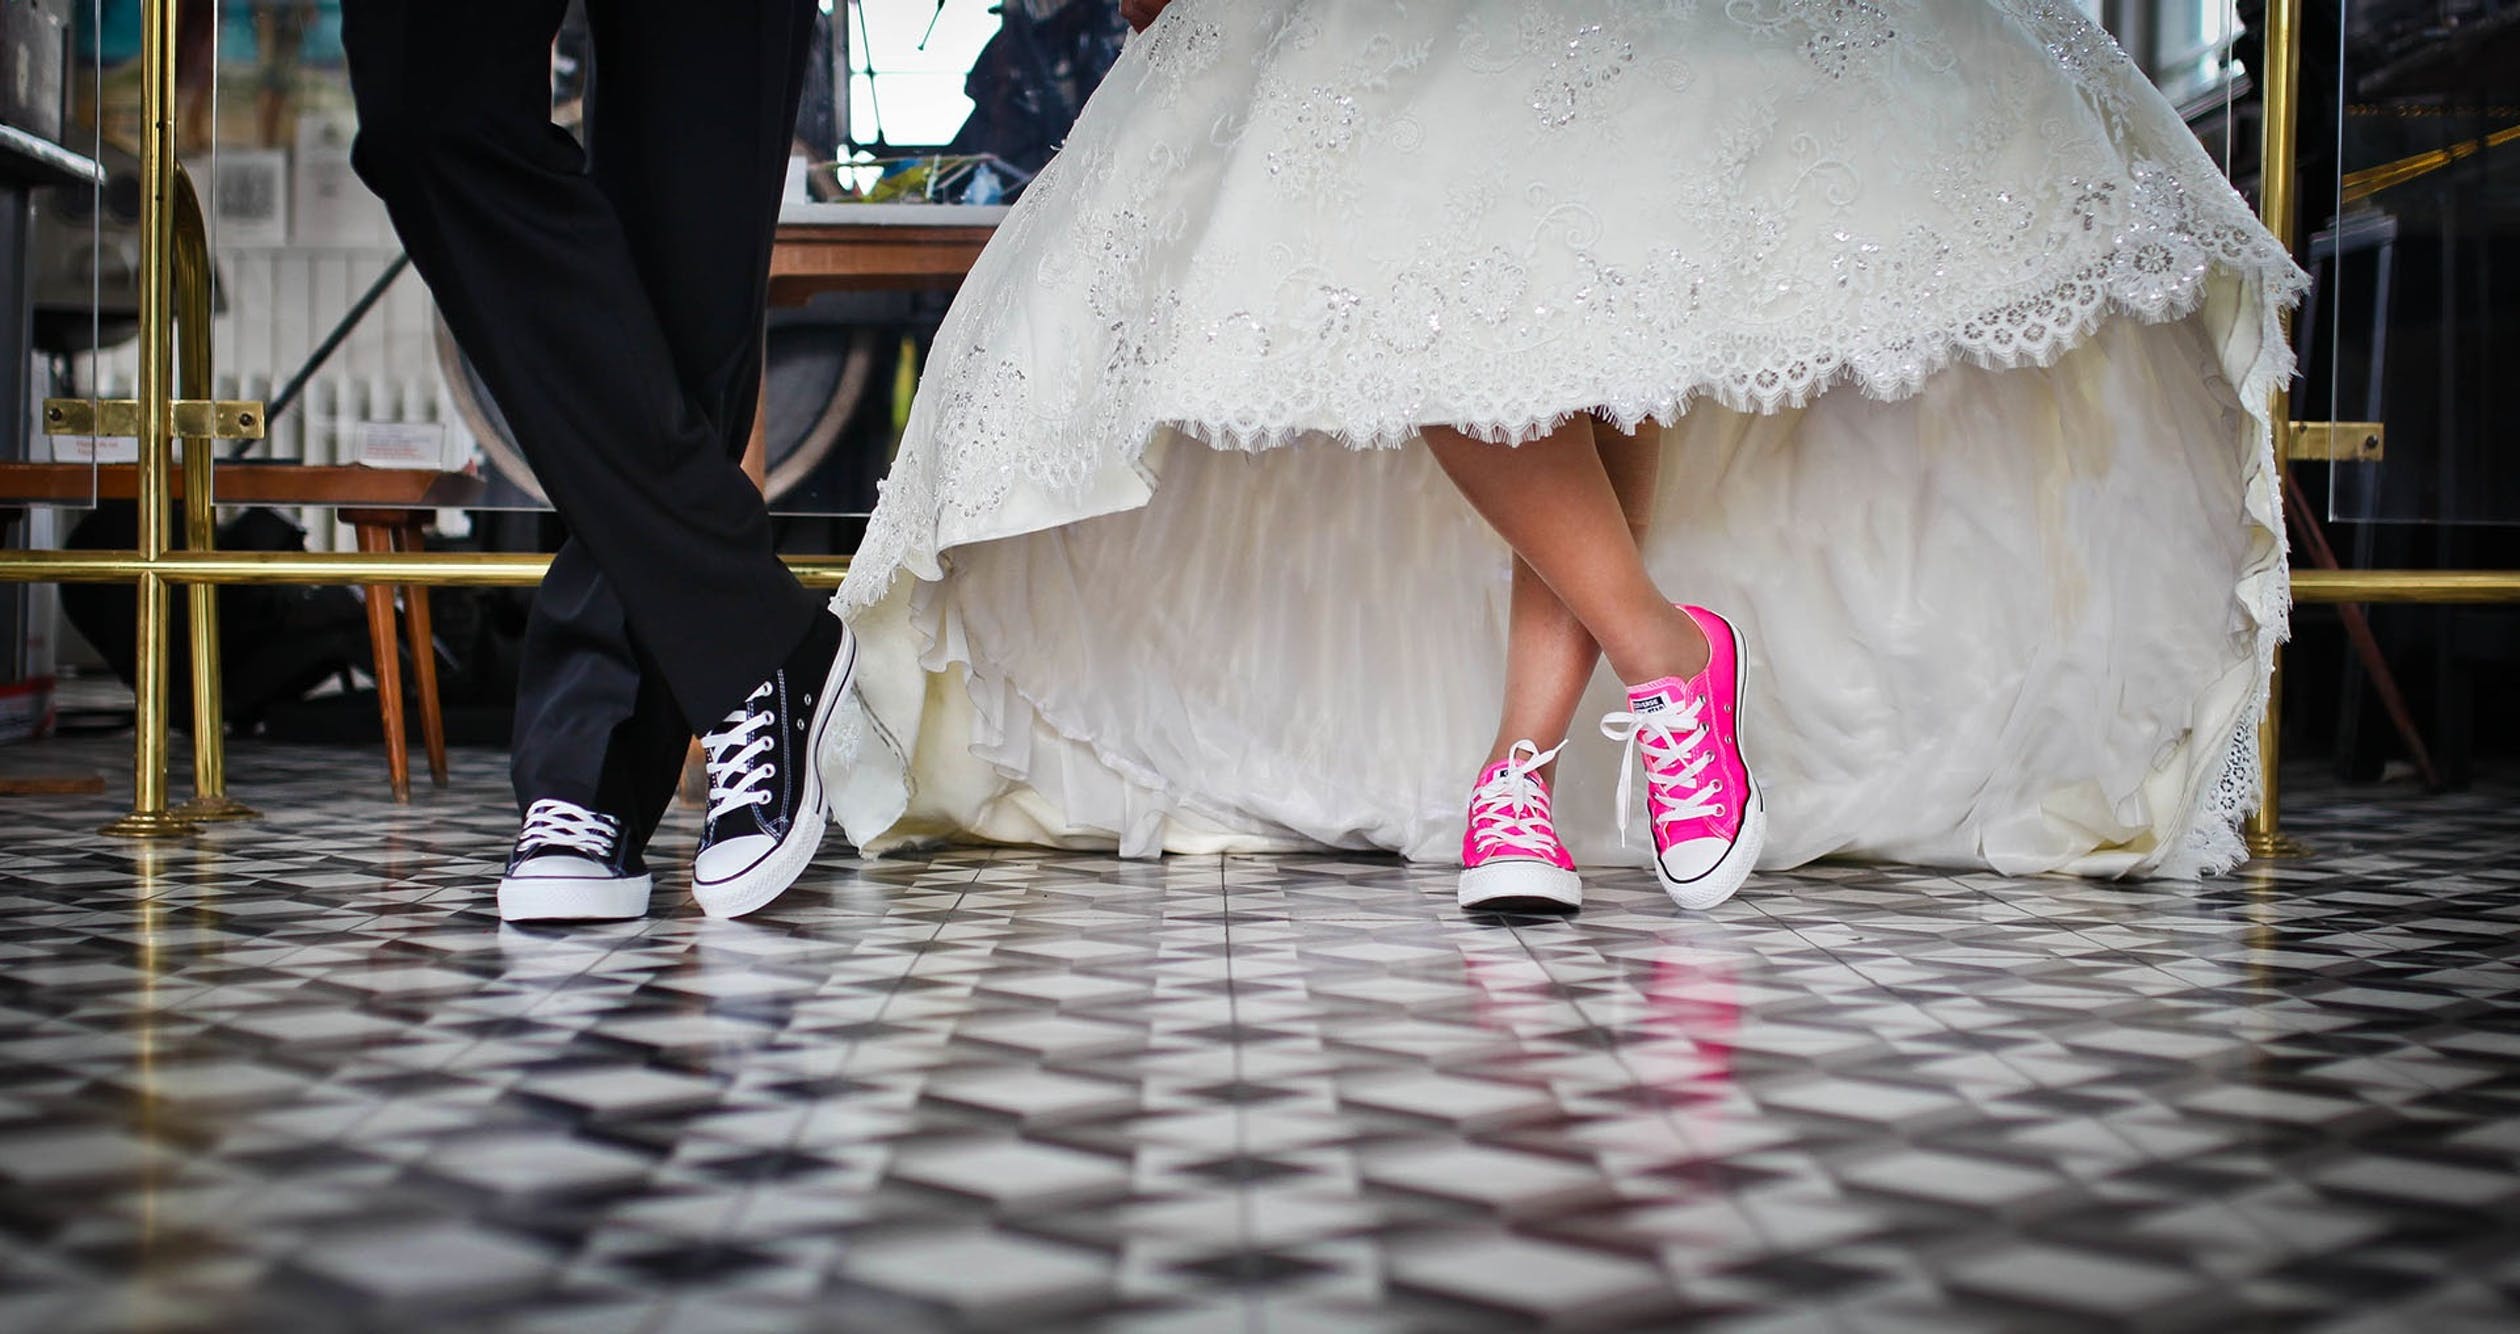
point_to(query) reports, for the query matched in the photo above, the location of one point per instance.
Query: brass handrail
(159, 183)
(2431, 586)
(193, 311)
(2278, 174)
(2356, 186)
(441, 569)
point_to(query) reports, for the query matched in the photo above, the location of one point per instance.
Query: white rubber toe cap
(1697, 858)
(1703, 872)
(721, 862)
(553, 866)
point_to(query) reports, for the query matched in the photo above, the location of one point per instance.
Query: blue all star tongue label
(1654, 704)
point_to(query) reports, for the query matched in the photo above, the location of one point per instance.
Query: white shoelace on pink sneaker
(1670, 742)
(1511, 810)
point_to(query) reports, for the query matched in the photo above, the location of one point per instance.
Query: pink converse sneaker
(1511, 860)
(1704, 806)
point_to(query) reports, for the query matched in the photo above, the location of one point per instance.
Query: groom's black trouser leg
(614, 307)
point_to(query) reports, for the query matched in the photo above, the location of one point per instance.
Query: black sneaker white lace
(570, 862)
(747, 754)
(765, 814)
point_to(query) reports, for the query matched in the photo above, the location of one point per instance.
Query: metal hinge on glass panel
(2336, 442)
(114, 418)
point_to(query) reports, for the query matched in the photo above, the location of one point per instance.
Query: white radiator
(279, 303)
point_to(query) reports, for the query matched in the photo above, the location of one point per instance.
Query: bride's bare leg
(1553, 503)
(1549, 655)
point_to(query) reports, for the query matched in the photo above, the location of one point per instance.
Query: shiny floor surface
(295, 1075)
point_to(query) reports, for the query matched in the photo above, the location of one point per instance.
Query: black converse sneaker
(569, 864)
(766, 805)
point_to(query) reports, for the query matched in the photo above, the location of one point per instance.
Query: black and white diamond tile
(295, 1075)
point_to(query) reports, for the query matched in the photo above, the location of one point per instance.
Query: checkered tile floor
(294, 1075)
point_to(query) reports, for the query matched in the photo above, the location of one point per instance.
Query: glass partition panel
(72, 244)
(55, 225)
(2411, 229)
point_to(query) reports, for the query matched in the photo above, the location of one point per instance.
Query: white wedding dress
(1959, 341)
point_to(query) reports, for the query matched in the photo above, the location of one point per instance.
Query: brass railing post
(149, 817)
(2278, 179)
(194, 279)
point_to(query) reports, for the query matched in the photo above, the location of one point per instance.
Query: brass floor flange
(216, 810)
(2277, 847)
(151, 824)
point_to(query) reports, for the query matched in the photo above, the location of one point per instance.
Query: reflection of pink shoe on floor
(1703, 804)
(1511, 859)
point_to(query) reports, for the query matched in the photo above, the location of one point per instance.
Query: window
(2191, 46)
(906, 61)
(2184, 45)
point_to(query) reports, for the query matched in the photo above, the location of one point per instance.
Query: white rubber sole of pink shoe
(1726, 877)
(1519, 885)
(765, 880)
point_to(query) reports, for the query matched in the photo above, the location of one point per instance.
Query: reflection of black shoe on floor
(766, 804)
(569, 865)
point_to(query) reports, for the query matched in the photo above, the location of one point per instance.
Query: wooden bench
(388, 508)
